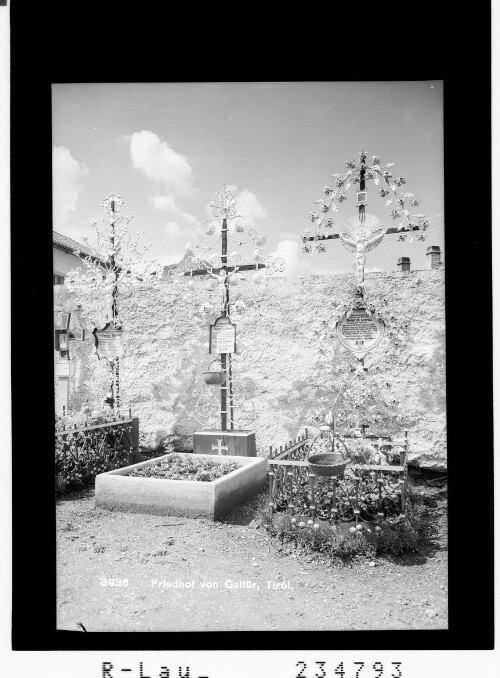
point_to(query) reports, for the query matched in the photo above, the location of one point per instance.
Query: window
(58, 279)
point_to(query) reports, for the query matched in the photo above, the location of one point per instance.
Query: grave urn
(214, 378)
(327, 464)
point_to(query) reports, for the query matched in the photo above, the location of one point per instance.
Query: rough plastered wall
(283, 352)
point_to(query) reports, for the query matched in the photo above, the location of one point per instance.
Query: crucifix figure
(361, 237)
(205, 260)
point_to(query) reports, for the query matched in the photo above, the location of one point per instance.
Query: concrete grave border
(117, 491)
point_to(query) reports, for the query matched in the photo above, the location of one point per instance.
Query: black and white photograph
(250, 314)
(249, 357)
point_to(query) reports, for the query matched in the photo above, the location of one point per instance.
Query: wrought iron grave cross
(364, 232)
(224, 266)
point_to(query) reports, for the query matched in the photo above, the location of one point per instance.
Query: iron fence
(83, 452)
(364, 492)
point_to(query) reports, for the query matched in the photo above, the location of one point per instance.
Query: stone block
(135, 432)
(116, 490)
(238, 443)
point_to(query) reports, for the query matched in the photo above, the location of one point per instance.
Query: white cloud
(164, 202)
(160, 162)
(289, 250)
(188, 219)
(167, 203)
(172, 228)
(247, 205)
(67, 176)
(286, 234)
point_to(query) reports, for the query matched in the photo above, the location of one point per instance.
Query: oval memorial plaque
(360, 331)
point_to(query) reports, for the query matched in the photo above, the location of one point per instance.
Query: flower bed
(344, 544)
(364, 491)
(182, 467)
(137, 488)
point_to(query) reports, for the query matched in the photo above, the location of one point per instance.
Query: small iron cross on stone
(219, 447)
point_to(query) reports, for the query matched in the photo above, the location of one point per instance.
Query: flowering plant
(176, 467)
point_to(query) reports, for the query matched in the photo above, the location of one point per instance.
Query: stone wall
(284, 354)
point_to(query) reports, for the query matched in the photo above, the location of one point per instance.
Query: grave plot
(355, 467)
(322, 489)
(118, 490)
(227, 257)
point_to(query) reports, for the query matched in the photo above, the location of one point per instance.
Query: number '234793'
(343, 670)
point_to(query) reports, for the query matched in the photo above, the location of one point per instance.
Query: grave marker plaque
(108, 342)
(360, 331)
(223, 336)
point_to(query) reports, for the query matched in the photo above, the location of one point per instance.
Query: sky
(166, 148)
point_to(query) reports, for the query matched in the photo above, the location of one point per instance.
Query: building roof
(62, 242)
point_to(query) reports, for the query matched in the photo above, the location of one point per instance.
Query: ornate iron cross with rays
(204, 259)
(364, 232)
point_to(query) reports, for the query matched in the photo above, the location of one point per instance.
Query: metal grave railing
(364, 492)
(84, 451)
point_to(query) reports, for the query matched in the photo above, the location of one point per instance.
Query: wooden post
(271, 491)
(357, 480)
(115, 366)
(335, 511)
(312, 506)
(404, 482)
(362, 172)
(224, 356)
(291, 505)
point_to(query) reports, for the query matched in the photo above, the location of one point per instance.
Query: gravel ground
(249, 583)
